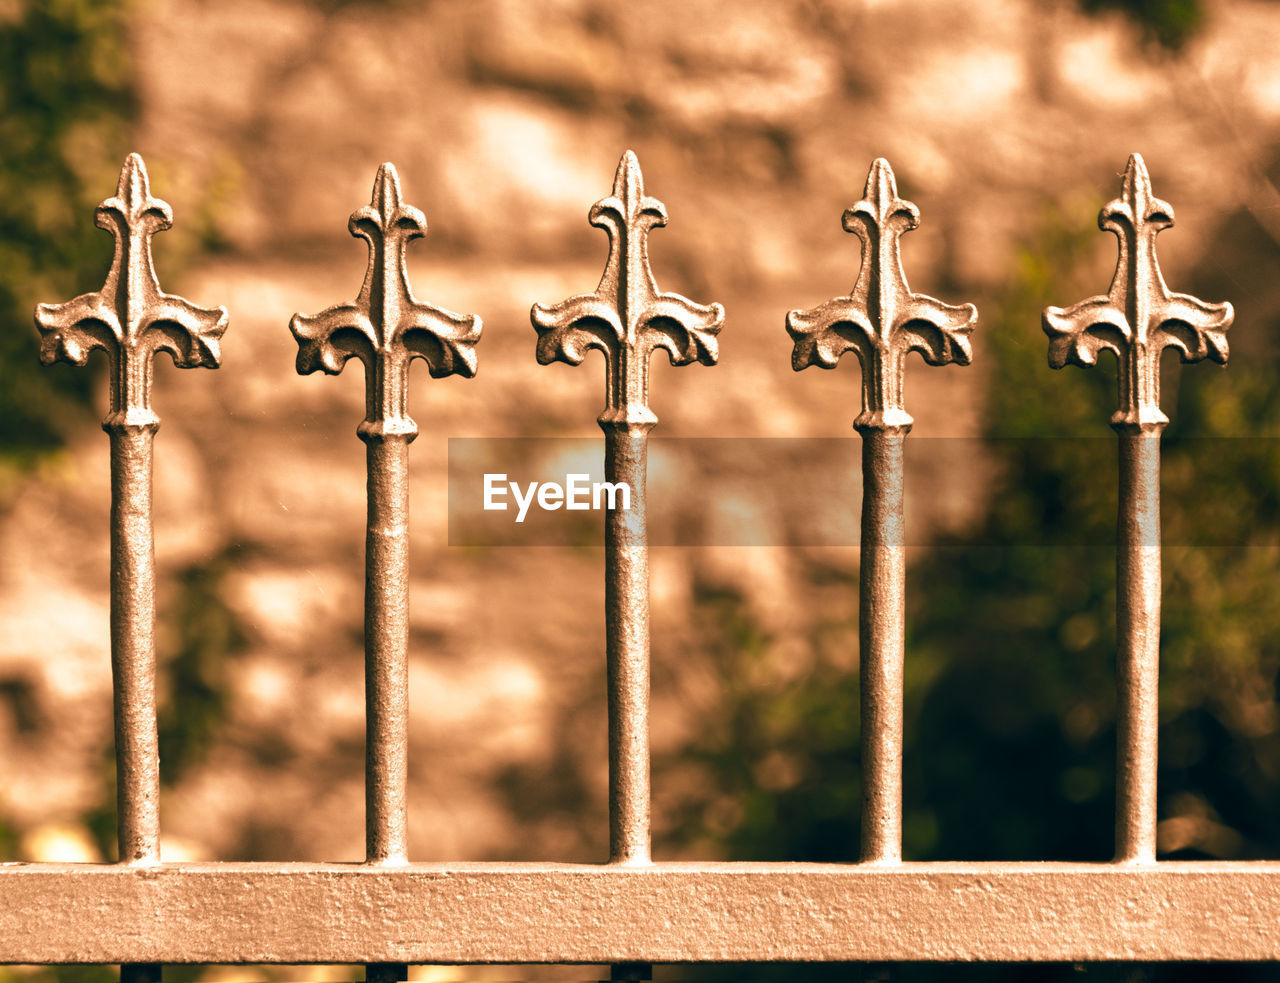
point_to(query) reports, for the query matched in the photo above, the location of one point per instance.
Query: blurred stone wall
(263, 122)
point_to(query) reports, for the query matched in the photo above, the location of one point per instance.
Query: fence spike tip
(880, 318)
(1138, 317)
(882, 185)
(626, 317)
(138, 317)
(628, 175)
(386, 327)
(1136, 174)
(134, 184)
(386, 190)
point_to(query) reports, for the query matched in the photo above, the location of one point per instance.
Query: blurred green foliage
(66, 104)
(1016, 735)
(1167, 23)
(203, 635)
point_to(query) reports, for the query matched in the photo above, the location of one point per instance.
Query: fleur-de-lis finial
(881, 319)
(626, 317)
(130, 317)
(1138, 318)
(386, 327)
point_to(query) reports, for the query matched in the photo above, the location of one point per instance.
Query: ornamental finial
(1138, 318)
(130, 317)
(626, 317)
(386, 327)
(881, 319)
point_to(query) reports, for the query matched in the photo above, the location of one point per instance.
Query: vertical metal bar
(626, 547)
(386, 658)
(882, 612)
(133, 656)
(627, 318)
(386, 328)
(1137, 319)
(1138, 578)
(133, 648)
(881, 320)
(386, 627)
(132, 319)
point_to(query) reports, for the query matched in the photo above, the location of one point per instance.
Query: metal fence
(631, 912)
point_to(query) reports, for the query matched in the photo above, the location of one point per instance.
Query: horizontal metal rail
(663, 913)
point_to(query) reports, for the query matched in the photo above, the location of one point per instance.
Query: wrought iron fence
(631, 912)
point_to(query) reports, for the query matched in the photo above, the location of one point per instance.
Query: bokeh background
(1008, 123)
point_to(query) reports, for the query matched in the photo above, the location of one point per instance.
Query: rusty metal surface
(626, 318)
(882, 321)
(132, 319)
(514, 913)
(386, 327)
(1137, 319)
